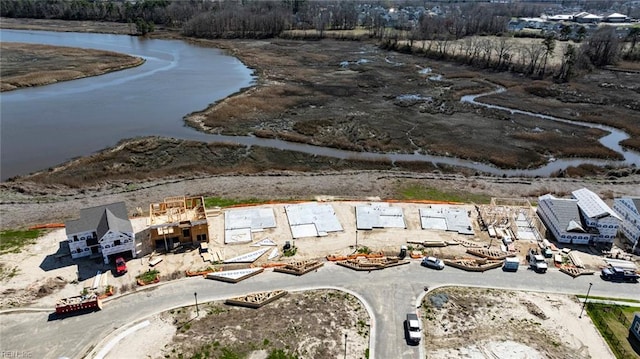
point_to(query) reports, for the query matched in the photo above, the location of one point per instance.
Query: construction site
(180, 237)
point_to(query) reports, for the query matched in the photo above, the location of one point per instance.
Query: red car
(121, 266)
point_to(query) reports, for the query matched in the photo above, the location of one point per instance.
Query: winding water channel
(45, 126)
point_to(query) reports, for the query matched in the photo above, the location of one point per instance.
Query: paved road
(389, 294)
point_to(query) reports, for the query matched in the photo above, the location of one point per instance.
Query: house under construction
(178, 221)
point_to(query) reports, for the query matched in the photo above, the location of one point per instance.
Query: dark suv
(412, 326)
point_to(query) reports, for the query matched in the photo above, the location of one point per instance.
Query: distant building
(583, 219)
(585, 17)
(177, 221)
(629, 210)
(102, 231)
(560, 18)
(616, 17)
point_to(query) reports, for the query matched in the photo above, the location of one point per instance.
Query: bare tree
(503, 49)
(602, 47)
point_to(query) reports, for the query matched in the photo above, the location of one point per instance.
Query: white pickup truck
(537, 261)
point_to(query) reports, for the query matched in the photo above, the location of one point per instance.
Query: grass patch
(12, 241)
(609, 298)
(228, 202)
(418, 192)
(149, 276)
(613, 323)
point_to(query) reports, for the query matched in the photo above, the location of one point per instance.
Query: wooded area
(476, 24)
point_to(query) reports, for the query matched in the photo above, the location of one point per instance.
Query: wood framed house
(102, 231)
(178, 221)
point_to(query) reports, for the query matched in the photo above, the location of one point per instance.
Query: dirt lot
(286, 324)
(485, 323)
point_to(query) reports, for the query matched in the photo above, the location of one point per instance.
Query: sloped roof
(110, 221)
(615, 14)
(565, 210)
(100, 219)
(592, 205)
(575, 226)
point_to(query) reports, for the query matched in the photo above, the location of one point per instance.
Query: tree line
(457, 35)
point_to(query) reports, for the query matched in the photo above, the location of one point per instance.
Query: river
(45, 126)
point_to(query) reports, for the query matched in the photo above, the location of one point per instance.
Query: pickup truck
(617, 274)
(537, 261)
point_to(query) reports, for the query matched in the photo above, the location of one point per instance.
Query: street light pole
(585, 300)
(195, 294)
(345, 345)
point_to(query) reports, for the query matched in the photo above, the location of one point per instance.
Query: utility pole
(585, 300)
(345, 345)
(195, 294)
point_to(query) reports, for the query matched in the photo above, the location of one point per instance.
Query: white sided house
(629, 210)
(102, 231)
(583, 219)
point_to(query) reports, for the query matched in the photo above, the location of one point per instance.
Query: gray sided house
(629, 210)
(102, 231)
(583, 219)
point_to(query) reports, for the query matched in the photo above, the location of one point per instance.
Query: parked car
(121, 266)
(433, 262)
(617, 274)
(412, 327)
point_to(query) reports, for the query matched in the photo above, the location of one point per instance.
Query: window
(116, 242)
(79, 250)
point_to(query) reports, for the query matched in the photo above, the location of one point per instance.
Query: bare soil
(486, 323)
(312, 324)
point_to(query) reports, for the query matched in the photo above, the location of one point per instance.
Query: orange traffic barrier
(334, 258)
(202, 273)
(47, 225)
(273, 264)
